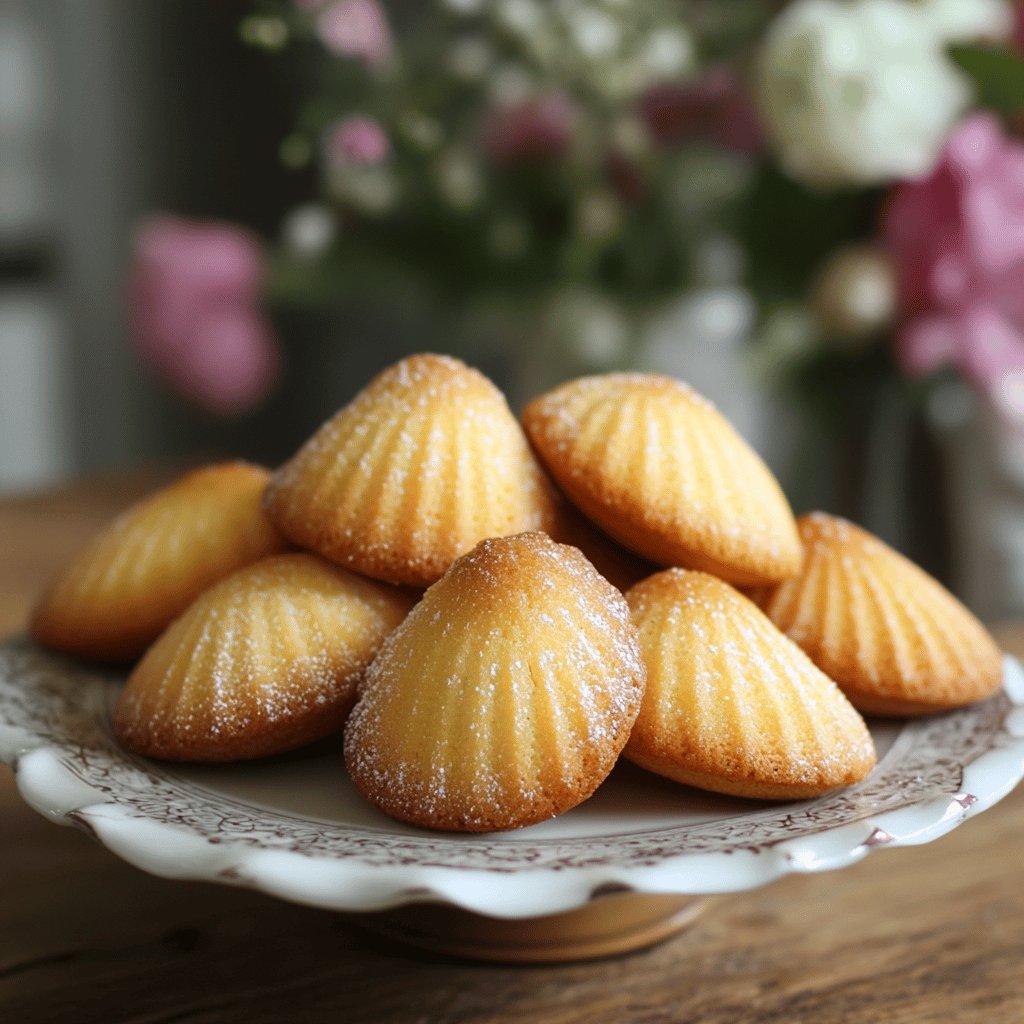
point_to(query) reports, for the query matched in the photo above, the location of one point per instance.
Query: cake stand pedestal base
(608, 926)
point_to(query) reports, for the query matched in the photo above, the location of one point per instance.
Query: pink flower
(533, 130)
(356, 28)
(714, 107)
(356, 141)
(194, 307)
(957, 243)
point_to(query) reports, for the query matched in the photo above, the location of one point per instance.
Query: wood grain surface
(928, 934)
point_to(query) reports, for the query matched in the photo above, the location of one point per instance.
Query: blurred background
(217, 221)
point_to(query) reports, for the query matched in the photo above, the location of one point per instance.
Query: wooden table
(928, 934)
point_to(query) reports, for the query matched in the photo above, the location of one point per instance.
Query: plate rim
(351, 885)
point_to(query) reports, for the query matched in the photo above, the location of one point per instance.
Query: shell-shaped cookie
(894, 639)
(731, 704)
(505, 696)
(425, 462)
(125, 587)
(657, 467)
(264, 661)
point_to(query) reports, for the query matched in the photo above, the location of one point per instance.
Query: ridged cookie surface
(425, 462)
(264, 661)
(890, 635)
(124, 588)
(731, 704)
(657, 467)
(505, 696)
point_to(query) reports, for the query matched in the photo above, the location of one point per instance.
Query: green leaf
(998, 76)
(788, 231)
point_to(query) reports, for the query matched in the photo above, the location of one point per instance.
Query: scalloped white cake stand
(627, 868)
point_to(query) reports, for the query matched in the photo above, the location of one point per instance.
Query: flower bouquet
(833, 189)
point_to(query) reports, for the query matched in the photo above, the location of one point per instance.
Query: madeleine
(266, 660)
(150, 564)
(732, 705)
(422, 465)
(894, 639)
(505, 696)
(659, 469)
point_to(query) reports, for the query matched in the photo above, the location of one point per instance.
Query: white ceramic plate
(295, 827)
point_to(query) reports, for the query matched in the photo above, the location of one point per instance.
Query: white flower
(1008, 397)
(961, 20)
(861, 92)
(594, 32)
(854, 296)
(459, 179)
(598, 214)
(374, 190)
(522, 17)
(308, 230)
(668, 52)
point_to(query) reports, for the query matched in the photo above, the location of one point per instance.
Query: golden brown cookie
(731, 704)
(656, 466)
(505, 696)
(147, 567)
(264, 661)
(425, 462)
(894, 639)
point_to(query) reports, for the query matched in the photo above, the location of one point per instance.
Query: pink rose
(537, 129)
(713, 106)
(356, 141)
(957, 242)
(194, 308)
(356, 28)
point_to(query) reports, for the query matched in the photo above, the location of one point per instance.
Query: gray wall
(109, 109)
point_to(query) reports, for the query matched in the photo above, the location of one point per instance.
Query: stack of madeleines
(493, 612)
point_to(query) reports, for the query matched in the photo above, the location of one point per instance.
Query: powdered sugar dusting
(561, 401)
(730, 697)
(657, 466)
(891, 635)
(285, 639)
(522, 644)
(424, 463)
